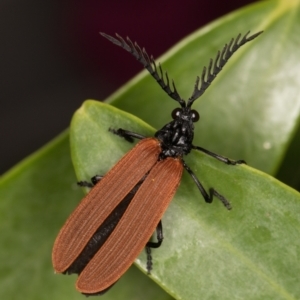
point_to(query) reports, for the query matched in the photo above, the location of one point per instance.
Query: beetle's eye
(195, 115)
(176, 113)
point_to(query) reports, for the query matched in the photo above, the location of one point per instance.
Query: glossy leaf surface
(251, 111)
(206, 246)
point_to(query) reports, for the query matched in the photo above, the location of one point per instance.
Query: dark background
(52, 58)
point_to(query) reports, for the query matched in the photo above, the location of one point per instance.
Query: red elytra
(135, 227)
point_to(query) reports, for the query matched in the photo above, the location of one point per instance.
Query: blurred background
(52, 58)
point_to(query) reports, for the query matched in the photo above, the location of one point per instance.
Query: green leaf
(228, 253)
(251, 111)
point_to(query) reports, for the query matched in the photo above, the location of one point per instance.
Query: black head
(177, 136)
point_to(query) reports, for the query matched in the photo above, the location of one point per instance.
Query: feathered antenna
(214, 67)
(148, 62)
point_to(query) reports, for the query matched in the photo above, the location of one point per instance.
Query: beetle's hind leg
(149, 245)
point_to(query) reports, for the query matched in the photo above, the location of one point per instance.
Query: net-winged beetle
(116, 219)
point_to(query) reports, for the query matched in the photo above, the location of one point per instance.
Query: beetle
(117, 218)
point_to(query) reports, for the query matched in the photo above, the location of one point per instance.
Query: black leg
(212, 192)
(129, 136)
(94, 180)
(220, 157)
(159, 236)
(149, 245)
